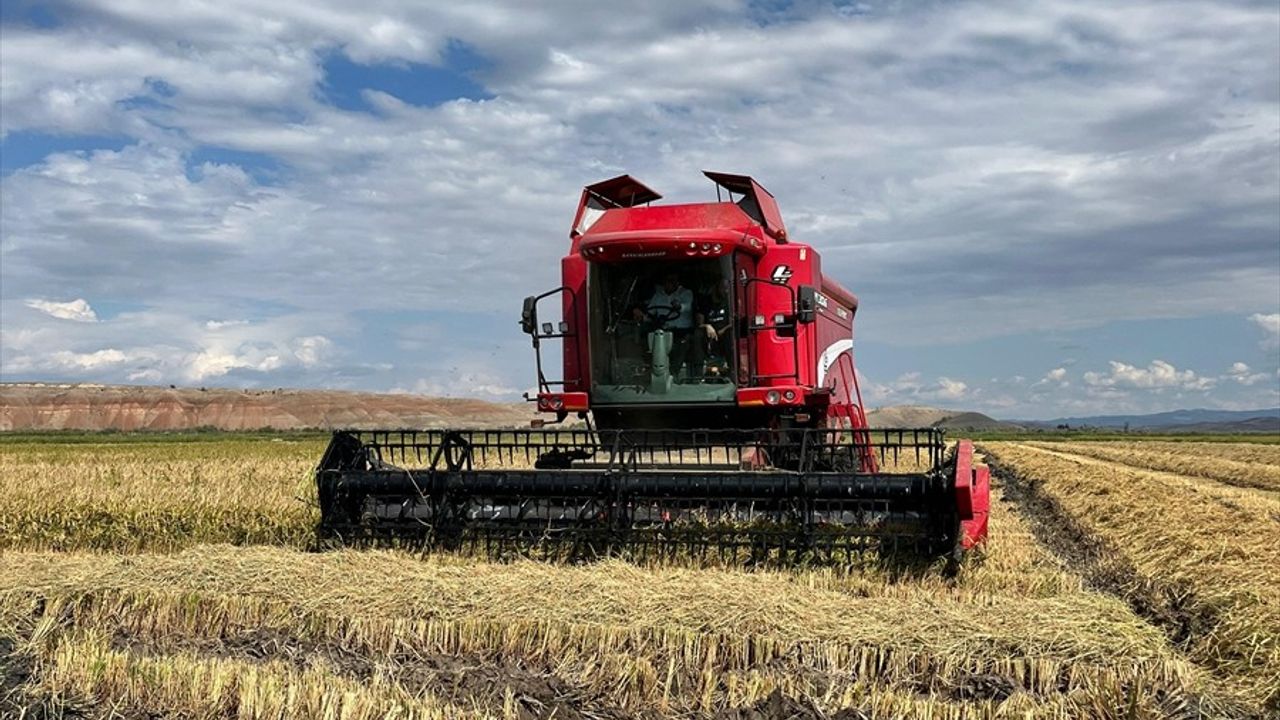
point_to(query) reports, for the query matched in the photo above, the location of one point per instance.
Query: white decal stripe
(828, 358)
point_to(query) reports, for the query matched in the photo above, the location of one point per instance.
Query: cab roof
(755, 206)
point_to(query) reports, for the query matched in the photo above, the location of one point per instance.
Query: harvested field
(1202, 555)
(640, 641)
(192, 593)
(1241, 464)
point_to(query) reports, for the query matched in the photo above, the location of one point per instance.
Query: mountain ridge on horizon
(54, 405)
(33, 406)
(1168, 418)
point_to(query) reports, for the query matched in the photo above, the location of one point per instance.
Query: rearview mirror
(806, 304)
(529, 315)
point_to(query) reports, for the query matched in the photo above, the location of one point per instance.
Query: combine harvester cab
(712, 361)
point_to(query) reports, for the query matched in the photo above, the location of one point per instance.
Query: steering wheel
(669, 313)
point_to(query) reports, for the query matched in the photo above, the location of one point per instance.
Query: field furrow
(1209, 552)
(1208, 490)
(1260, 453)
(1239, 464)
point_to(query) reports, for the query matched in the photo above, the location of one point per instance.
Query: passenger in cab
(712, 322)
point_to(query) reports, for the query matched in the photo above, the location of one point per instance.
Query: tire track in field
(1105, 569)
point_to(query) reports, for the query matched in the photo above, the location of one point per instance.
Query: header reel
(732, 496)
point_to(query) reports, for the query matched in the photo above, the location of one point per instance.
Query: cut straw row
(1239, 464)
(1211, 550)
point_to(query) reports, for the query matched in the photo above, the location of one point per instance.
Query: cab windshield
(662, 332)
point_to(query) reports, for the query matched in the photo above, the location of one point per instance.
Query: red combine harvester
(716, 361)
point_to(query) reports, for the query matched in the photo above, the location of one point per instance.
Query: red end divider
(973, 496)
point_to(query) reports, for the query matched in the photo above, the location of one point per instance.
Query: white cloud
(220, 324)
(466, 384)
(89, 361)
(1056, 377)
(78, 309)
(1159, 375)
(949, 389)
(310, 351)
(147, 375)
(214, 363)
(910, 387)
(164, 346)
(1243, 374)
(1270, 325)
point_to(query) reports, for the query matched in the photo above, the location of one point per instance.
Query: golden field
(1206, 549)
(178, 579)
(1248, 465)
(163, 495)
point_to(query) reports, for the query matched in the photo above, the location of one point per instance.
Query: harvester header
(711, 360)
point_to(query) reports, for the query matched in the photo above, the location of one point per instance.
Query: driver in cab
(671, 305)
(671, 308)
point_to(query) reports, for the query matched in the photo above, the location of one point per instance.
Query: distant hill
(975, 421)
(1252, 425)
(908, 416)
(919, 416)
(1181, 419)
(41, 406)
(49, 406)
(1205, 421)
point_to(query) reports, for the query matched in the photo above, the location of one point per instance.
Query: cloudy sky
(1047, 208)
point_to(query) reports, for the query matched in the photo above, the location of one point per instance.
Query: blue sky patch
(264, 169)
(770, 12)
(158, 91)
(110, 309)
(29, 147)
(29, 13)
(413, 83)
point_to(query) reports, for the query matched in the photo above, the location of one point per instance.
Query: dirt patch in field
(984, 686)
(463, 680)
(15, 671)
(20, 696)
(778, 706)
(15, 668)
